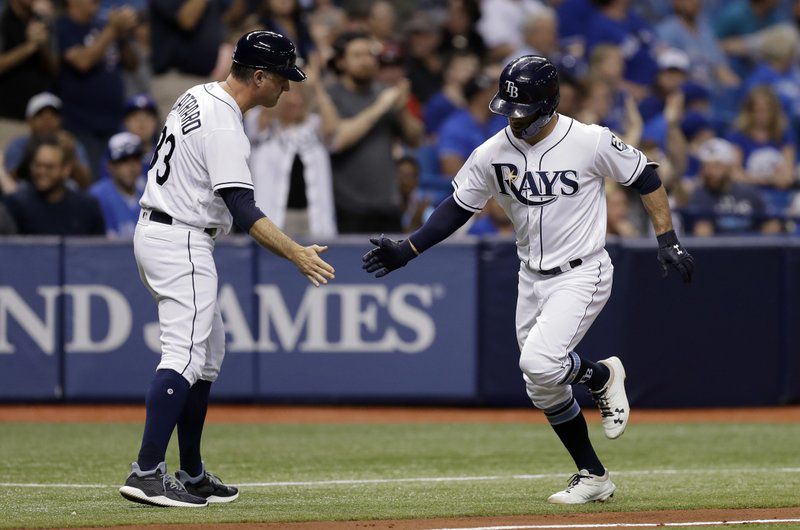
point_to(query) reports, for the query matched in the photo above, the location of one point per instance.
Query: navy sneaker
(207, 486)
(157, 488)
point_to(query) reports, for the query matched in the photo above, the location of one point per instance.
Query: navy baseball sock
(592, 374)
(164, 402)
(190, 427)
(575, 437)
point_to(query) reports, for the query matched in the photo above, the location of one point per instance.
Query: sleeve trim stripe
(635, 174)
(465, 205)
(227, 184)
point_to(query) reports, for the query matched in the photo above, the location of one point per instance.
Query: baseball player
(198, 183)
(546, 171)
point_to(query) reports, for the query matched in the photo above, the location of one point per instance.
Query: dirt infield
(369, 414)
(591, 520)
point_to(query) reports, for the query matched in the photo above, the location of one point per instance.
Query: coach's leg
(179, 268)
(190, 424)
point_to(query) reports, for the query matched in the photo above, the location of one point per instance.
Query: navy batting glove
(388, 255)
(672, 253)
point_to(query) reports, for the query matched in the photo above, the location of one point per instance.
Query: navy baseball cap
(269, 51)
(124, 145)
(140, 102)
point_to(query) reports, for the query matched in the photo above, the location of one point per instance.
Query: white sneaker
(612, 400)
(584, 488)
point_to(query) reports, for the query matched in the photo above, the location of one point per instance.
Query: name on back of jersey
(189, 113)
(535, 188)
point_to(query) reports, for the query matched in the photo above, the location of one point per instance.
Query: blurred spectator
(571, 95)
(424, 65)
(469, 127)
(493, 220)
(325, 23)
(286, 17)
(381, 21)
(501, 24)
(618, 211)
(27, 61)
(185, 35)
(7, 225)
(540, 37)
(366, 191)
(290, 161)
(673, 68)
(44, 121)
(459, 69)
(720, 205)
(574, 19)
(392, 70)
(90, 81)
(459, 29)
(598, 106)
(740, 19)
(416, 207)
(606, 64)
(48, 206)
(696, 129)
(765, 146)
(778, 69)
(616, 23)
(119, 195)
(139, 80)
(141, 118)
(690, 31)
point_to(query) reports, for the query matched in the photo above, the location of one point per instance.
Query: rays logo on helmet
(535, 188)
(511, 88)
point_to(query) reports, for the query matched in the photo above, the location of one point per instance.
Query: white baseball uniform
(202, 149)
(553, 192)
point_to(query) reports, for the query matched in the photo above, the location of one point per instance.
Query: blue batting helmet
(528, 86)
(269, 51)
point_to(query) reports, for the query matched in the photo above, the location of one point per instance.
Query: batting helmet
(269, 51)
(528, 87)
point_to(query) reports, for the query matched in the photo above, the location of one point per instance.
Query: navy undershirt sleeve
(443, 222)
(242, 205)
(648, 181)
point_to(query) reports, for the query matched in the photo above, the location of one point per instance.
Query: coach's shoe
(207, 486)
(584, 487)
(612, 400)
(157, 488)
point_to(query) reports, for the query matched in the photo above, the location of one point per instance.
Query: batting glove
(388, 255)
(672, 253)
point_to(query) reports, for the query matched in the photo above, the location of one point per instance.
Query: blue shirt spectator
(461, 133)
(90, 81)
(190, 46)
(119, 196)
(458, 70)
(690, 31)
(636, 39)
(740, 18)
(574, 18)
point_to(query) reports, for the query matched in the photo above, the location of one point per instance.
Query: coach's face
(269, 86)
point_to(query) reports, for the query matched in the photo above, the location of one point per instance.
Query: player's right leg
(178, 267)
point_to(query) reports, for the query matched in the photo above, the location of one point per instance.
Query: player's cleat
(209, 487)
(612, 400)
(157, 488)
(584, 487)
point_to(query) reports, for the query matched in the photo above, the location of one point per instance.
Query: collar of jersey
(216, 90)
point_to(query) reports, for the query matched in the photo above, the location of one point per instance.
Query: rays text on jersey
(535, 188)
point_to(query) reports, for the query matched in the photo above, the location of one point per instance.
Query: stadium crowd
(396, 100)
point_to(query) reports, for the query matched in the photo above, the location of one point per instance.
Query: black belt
(165, 218)
(555, 271)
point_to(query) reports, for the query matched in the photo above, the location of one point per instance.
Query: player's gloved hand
(387, 256)
(672, 253)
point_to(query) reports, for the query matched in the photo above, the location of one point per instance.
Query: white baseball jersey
(552, 191)
(201, 149)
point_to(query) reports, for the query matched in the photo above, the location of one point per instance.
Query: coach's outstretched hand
(317, 270)
(672, 253)
(387, 255)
